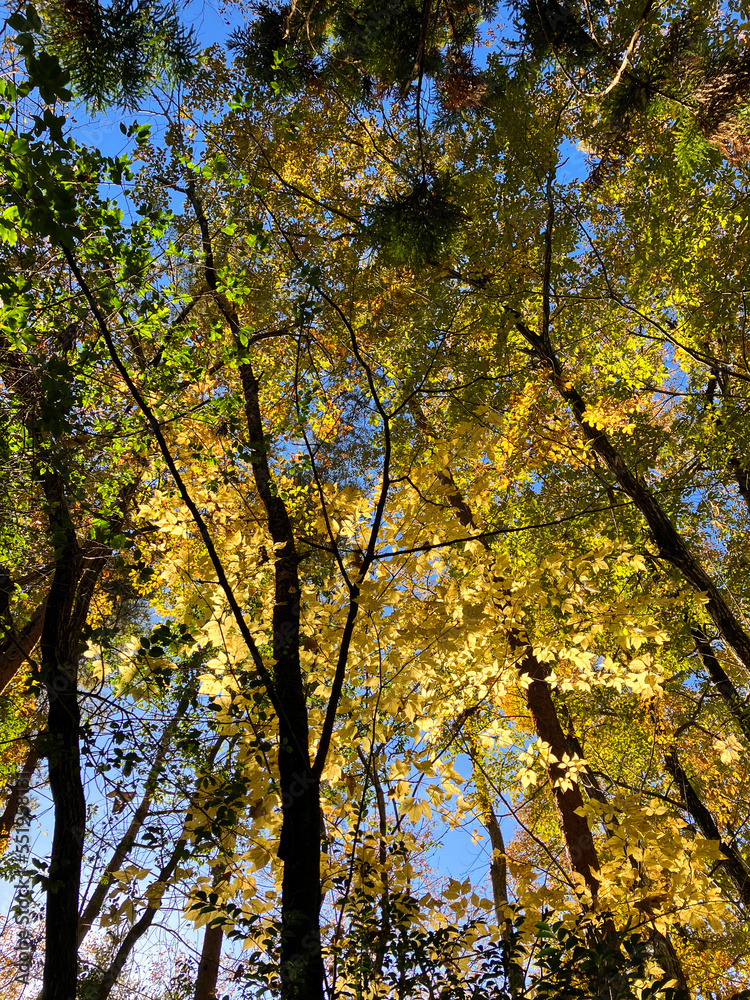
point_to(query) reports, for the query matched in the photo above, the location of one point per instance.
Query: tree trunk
(384, 934)
(301, 969)
(721, 681)
(17, 647)
(742, 478)
(579, 842)
(59, 668)
(577, 837)
(732, 862)
(662, 945)
(514, 972)
(208, 968)
(672, 546)
(670, 961)
(300, 842)
(17, 789)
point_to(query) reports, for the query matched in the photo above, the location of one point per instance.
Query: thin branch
(178, 480)
(491, 534)
(369, 555)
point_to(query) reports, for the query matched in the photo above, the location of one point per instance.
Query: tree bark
(742, 478)
(59, 669)
(208, 968)
(301, 968)
(578, 839)
(662, 945)
(18, 646)
(672, 546)
(384, 934)
(732, 862)
(19, 787)
(670, 961)
(301, 965)
(721, 681)
(514, 972)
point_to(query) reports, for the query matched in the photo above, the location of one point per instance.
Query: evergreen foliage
(367, 45)
(420, 226)
(271, 50)
(115, 52)
(549, 26)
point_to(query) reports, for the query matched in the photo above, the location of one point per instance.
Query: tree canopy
(375, 472)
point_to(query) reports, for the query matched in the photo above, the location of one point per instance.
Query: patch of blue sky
(572, 165)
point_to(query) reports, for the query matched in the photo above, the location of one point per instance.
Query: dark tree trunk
(671, 544)
(577, 837)
(17, 790)
(208, 967)
(670, 962)
(76, 571)
(59, 657)
(721, 681)
(301, 969)
(661, 943)
(514, 971)
(742, 478)
(732, 862)
(18, 645)
(300, 843)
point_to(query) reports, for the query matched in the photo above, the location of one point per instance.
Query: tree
(430, 451)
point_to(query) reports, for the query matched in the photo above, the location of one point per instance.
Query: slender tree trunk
(300, 842)
(732, 862)
(301, 968)
(578, 839)
(59, 656)
(18, 646)
(514, 973)
(721, 682)
(742, 478)
(76, 572)
(669, 960)
(498, 864)
(208, 967)
(121, 851)
(384, 934)
(672, 546)
(662, 945)
(17, 789)
(213, 938)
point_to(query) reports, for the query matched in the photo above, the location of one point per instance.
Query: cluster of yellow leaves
(654, 869)
(612, 415)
